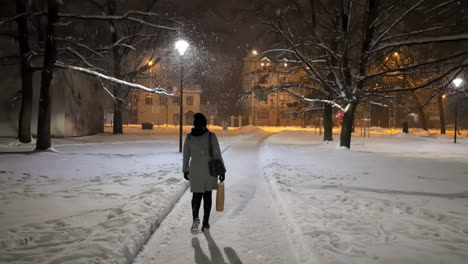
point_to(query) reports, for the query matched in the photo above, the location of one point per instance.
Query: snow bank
(86, 204)
(367, 205)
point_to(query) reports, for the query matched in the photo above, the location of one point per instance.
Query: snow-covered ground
(248, 231)
(289, 199)
(85, 204)
(394, 199)
(95, 199)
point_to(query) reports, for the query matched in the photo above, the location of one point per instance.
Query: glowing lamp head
(457, 82)
(262, 64)
(444, 96)
(181, 46)
(150, 63)
(254, 52)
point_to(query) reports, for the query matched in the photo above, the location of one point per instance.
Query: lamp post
(181, 46)
(458, 82)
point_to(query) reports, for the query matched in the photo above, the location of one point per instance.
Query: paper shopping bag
(220, 198)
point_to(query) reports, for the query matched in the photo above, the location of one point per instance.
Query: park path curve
(248, 231)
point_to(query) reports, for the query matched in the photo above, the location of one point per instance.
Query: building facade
(78, 103)
(161, 109)
(270, 107)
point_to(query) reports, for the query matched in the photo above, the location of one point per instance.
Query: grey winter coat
(196, 152)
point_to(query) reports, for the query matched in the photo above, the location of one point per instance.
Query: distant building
(274, 108)
(162, 109)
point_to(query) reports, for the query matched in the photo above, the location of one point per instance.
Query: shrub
(147, 125)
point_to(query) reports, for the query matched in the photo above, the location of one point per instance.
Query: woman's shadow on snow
(215, 252)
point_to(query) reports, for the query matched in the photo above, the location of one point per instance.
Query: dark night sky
(228, 27)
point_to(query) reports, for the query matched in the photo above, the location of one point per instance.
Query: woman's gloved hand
(186, 175)
(221, 177)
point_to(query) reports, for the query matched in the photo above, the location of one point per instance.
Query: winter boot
(205, 226)
(196, 223)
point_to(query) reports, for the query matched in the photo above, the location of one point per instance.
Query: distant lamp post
(254, 52)
(457, 82)
(181, 46)
(150, 64)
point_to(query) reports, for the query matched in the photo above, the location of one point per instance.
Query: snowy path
(368, 206)
(248, 231)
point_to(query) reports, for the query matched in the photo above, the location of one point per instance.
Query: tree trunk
(43, 121)
(347, 125)
(327, 123)
(421, 112)
(24, 124)
(116, 56)
(441, 114)
(118, 104)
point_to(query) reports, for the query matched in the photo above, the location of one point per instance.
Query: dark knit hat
(199, 120)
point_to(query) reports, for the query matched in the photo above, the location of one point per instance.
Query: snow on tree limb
(83, 59)
(428, 82)
(402, 70)
(415, 32)
(127, 16)
(13, 18)
(396, 22)
(112, 79)
(426, 40)
(312, 100)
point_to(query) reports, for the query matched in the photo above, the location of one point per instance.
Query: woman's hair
(199, 120)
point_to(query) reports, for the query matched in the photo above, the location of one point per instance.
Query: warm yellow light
(308, 68)
(150, 63)
(444, 96)
(254, 52)
(262, 64)
(285, 64)
(395, 53)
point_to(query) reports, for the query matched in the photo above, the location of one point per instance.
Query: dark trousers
(196, 203)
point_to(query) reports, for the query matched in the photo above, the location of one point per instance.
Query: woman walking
(196, 169)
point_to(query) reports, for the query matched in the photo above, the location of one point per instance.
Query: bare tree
(338, 42)
(63, 49)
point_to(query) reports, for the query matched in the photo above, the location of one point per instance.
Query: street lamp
(181, 46)
(458, 82)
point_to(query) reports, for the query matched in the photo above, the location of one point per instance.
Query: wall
(70, 116)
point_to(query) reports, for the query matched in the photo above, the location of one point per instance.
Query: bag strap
(209, 145)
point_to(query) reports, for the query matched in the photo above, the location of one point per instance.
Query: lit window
(189, 100)
(263, 114)
(148, 100)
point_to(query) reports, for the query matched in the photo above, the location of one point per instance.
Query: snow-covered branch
(126, 16)
(396, 22)
(400, 71)
(13, 18)
(409, 34)
(83, 59)
(112, 79)
(312, 100)
(426, 40)
(428, 82)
